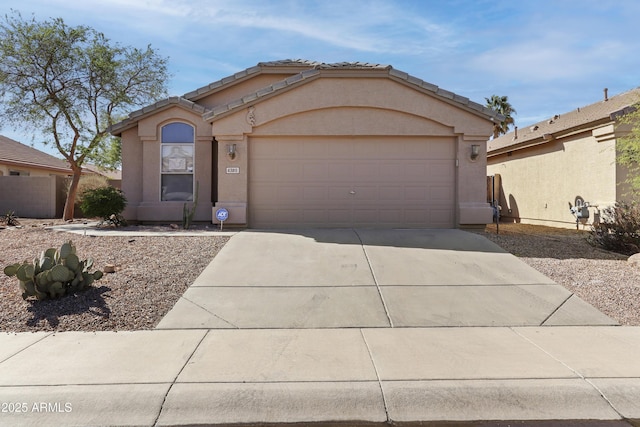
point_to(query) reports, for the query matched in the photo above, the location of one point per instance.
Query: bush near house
(106, 203)
(619, 229)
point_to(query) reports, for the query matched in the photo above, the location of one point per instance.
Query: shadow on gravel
(91, 300)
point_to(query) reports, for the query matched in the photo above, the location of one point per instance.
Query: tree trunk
(69, 205)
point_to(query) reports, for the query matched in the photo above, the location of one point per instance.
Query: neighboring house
(568, 159)
(18, 159)
(295, 143)
(31, 182)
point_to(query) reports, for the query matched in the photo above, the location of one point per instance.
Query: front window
(177, 162)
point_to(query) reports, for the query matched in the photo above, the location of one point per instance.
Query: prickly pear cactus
(54, 274)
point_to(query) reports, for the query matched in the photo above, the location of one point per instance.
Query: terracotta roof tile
(14, 152)
(445, 94)
(307, 70)
(604, 111)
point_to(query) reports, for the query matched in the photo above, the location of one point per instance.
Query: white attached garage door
(347, 182)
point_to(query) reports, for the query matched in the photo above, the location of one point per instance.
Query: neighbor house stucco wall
(539, 184)
(6, 169)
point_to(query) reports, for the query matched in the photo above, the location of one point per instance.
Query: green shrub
(54, 274)
(619, 229)
(106, 203)
(89, 182)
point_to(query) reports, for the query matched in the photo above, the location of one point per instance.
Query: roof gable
(598, 113)
(300, 71)
(16, 153)
(135, 116)
(374, 70)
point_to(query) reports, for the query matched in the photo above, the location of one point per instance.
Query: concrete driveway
(363, 278)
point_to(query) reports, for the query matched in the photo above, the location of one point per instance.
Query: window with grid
(177, 162)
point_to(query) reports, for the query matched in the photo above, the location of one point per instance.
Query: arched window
(177, 162)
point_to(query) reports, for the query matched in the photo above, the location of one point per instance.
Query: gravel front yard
(603, 279)
(153, 272)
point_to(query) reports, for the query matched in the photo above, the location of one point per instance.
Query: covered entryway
(352, 181)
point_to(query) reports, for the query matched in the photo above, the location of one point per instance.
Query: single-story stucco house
(17, 159)
(568, 159)
(32, 182)
(295, 143)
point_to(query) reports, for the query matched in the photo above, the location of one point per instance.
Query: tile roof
(307, 69)
(392, 72)
(136, 115)
(597, 113)
(16, 153)
(109, 174)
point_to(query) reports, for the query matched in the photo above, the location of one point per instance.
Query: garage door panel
(440, 171)
(315, 193)
(391, 194)
(340, 193)
(419, 194)
(365, 193)
(315, 171)
(288, 194)
(340, 171)
(441, 216)
(339, 216)
(363, 171)
(345, 182)
(443, 195)
(391, 170)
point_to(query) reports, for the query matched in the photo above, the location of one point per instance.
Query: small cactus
(54, 274)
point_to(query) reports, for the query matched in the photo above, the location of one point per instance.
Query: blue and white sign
(222, 214)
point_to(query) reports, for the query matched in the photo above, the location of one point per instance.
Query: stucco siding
(539, 184)
(240, 89)
(296, 100)
(31, 196)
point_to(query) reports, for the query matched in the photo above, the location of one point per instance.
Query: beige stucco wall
(141, 168)
(365, 106)
(5, 169)
(240, 89)
(32, 196)
(540, 183)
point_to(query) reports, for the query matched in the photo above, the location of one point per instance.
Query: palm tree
(501, 105)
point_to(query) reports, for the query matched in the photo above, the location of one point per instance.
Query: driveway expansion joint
(375, 368)
(175, 379)
(582, 377)
(375, 279)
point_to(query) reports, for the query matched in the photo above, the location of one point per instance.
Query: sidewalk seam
(164, 400)
(213, 314)
(375, 279)
(582, 377)
(556, 310)
(375, 369)
(29, 346)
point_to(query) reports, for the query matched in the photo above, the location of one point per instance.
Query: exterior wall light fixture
(475, 151)
(231, 151)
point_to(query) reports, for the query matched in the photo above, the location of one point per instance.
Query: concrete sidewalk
(362, 327)
(208, 377)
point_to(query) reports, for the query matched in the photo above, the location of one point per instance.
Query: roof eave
(548, 137)
(261, 95)
(135, 116)
(446, 96)
(35, 166)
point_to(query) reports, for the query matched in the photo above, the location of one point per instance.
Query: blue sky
(547, 56)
